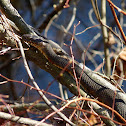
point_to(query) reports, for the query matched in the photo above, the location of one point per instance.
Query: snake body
(94, 87)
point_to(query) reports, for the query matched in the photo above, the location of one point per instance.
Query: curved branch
(14, 16)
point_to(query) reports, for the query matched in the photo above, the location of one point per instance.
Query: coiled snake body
(92, 86)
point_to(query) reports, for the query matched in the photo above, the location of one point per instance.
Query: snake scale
(95, 87)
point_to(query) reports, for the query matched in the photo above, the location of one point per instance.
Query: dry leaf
(111, 39)
(122, 54)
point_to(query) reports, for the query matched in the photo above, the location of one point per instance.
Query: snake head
(38, 41)
(33, 38)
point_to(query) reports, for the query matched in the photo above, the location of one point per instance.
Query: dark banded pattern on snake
(92, 86)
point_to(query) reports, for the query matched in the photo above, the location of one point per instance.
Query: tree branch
(40, 60)
(21, 120)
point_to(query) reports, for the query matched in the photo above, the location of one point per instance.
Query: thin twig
(119, 9)
(71, 51)
(117, 22)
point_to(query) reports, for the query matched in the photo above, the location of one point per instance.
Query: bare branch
(21, 120)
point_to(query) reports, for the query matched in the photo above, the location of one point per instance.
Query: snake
(99, 88)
